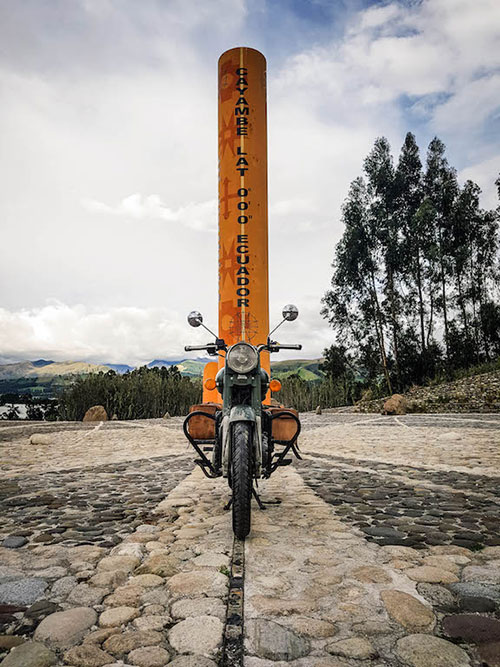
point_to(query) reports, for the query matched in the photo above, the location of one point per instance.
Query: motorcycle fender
(240, 413)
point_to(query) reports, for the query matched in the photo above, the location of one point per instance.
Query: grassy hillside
(306, 369)
(42, 387)
(191, 367)
(471, 393)
(43, 378)
(35, 369)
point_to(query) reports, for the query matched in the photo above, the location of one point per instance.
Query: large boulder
(395, 405)
(96, 413)
(40, 439)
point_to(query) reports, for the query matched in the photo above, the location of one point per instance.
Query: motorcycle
(248, 439)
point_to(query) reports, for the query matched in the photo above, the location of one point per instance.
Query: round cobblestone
(388, 509)
(429, 651)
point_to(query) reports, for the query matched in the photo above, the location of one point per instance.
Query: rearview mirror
(195, 318)
(290, 312)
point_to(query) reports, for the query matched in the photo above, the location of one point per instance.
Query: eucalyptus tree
(352, 304)
(417, 266)
(411, 220)
(338, 367)
(464, 230)
(441, 189)
(384, 223)
(486, 276)
(483, 267)
(474, 254)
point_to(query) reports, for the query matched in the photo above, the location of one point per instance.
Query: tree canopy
(415, 285)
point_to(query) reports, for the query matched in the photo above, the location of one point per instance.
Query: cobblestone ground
(384, 550)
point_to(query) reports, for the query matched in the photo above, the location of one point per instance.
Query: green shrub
(144, 393)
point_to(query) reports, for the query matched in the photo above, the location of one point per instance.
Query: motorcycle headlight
(242, 358)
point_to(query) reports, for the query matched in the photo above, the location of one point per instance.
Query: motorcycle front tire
(241, 478)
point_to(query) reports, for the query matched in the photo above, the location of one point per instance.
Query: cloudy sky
(108, 152)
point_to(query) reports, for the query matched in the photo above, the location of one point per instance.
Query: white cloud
(470, 106)
(123, 335)
(199, 216)
(61, 332)
(484, 174)
(378, 17)
(297, 215)
(437, 46)
(310, 329)
(108, 102)
(290, 206)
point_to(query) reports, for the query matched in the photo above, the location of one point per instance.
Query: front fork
(241, 413)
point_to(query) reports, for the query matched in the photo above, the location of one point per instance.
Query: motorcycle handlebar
(273, 347)
(288, 347)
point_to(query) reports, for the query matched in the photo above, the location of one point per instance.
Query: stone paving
(91, 505)
(391, 507)
(385, 548)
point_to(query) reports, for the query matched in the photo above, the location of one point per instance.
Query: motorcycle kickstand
(257, 498)
(261, 503)
(255, 495)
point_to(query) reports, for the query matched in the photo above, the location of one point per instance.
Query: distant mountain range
(43, 368)
(120, 368)
(44, 371)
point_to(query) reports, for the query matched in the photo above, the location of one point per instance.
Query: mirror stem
(276, 327)
(211, 332)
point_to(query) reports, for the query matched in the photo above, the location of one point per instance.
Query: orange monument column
(243, 253)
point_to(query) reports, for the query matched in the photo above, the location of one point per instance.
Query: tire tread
(241, 464)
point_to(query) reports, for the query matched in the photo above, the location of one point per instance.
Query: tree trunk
(379, 328)
(443, 294)
(482, 295)
(394, 326)
(461, 301)
(431, 314)
(473, 298)
(420, 302)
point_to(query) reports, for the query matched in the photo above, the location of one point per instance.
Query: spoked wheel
(241, 478)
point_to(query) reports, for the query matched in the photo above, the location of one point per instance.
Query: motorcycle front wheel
(241, 478)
